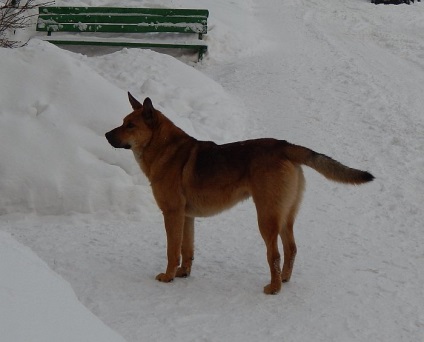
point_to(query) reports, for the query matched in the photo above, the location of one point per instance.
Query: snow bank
(39, 306)
(56, 107)
(54, 113)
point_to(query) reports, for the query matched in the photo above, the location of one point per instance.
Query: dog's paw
(272, 289)
(285, 277)
(182, 272)
(164, 278)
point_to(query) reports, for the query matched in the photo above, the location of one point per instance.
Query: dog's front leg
(187, 249)
(174, 222)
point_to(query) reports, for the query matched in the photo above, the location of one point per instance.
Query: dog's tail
(328, 167)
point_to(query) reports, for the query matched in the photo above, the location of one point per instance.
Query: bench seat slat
(128, 44)
(201, 49)
(137, 28)
(121, 19)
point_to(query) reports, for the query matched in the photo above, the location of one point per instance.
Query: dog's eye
(130, 125)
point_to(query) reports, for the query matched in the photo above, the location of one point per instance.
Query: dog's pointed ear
(149, 112)
(134, 103)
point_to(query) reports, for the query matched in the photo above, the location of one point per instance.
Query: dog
(192, 178)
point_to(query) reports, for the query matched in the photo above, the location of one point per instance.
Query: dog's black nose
(110, 139)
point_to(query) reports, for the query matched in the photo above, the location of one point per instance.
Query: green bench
(137, 27)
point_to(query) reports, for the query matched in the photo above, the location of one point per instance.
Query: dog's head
(137, 128)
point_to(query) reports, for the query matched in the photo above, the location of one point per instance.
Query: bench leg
(202, 51)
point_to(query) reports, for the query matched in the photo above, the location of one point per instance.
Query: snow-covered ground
(38, 305)
(343, 77)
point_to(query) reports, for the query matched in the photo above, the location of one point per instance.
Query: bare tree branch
(15, 16)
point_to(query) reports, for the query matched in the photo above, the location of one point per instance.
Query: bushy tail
(328, 167)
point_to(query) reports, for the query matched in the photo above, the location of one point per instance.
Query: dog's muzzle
(112, 139)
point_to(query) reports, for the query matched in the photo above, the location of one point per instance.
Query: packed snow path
(343, 79)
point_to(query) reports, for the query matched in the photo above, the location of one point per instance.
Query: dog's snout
(114, 140)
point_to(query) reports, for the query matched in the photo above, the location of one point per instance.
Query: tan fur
(192, 178)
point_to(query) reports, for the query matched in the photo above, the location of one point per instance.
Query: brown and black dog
(192, 178)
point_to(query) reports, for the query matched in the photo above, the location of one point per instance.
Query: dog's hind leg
(290, 249)
(286, 233)
(187, 248)
(269, 227)
(269, 222)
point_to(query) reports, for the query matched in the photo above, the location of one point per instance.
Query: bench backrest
(118, 19)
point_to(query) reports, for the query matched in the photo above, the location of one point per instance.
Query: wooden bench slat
(128, 44)
(124, 19)
(149, 23)
(124, 10)
(122, 28)
(201, 49)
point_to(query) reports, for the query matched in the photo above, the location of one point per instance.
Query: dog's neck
(166, 141)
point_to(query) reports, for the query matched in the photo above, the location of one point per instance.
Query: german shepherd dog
(192, 178)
